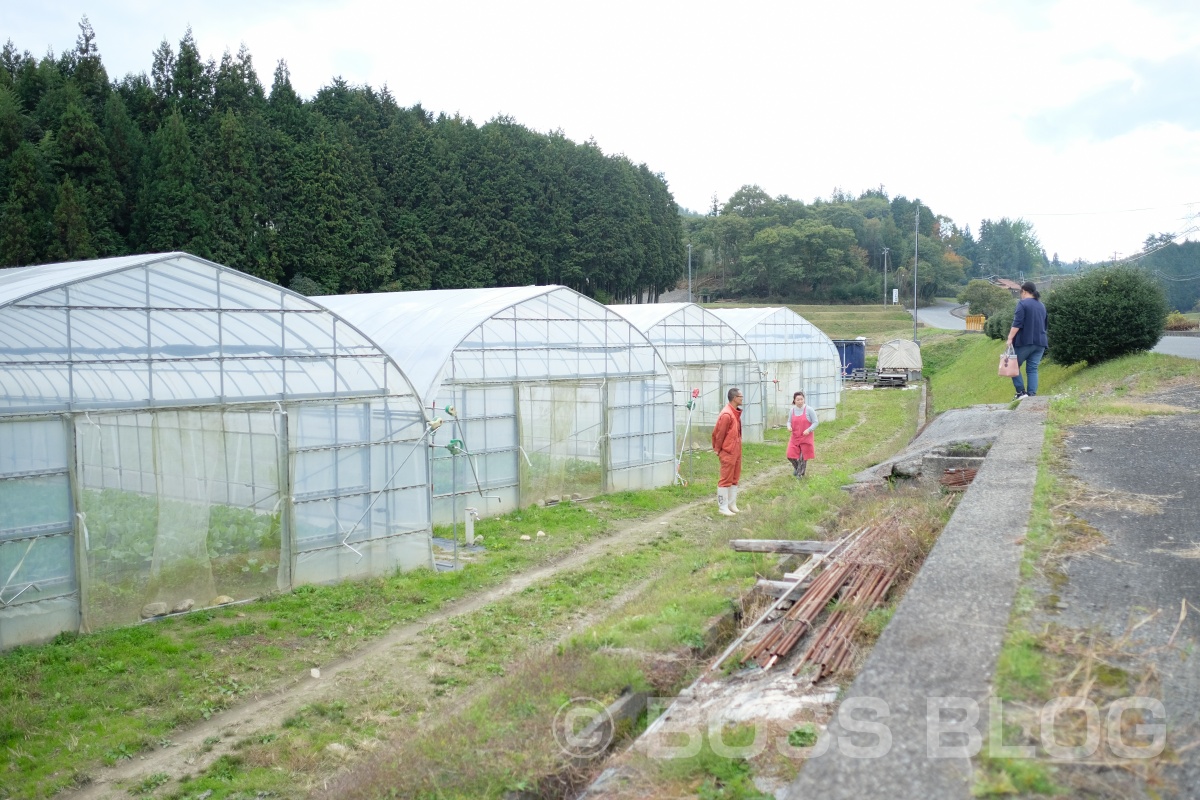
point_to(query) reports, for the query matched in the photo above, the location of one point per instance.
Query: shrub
(1178, 322)
(1105, 314)
(985, 298)
(999, 323)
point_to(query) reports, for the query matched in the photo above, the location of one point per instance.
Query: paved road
(1186, 346)
(938, 316)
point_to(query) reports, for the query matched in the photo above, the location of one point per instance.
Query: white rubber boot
(723, 501)
(733, 499)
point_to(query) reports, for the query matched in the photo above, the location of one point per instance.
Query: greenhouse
(703, 353)
(795, 356)
(175, 434)
(544, 394)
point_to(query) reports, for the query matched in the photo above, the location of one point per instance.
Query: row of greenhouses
(175, 434)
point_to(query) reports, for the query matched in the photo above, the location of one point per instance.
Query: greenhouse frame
(177, 434)
(794, 355)
(553, 395)
(703, 352)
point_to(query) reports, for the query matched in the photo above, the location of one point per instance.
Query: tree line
(343, 192)
(833, 250)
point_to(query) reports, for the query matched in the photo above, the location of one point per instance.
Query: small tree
(1105, 314)
(1000, 322)
(985, 298)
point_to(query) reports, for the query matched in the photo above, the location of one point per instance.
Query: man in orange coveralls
(727, 442)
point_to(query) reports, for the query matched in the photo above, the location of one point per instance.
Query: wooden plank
(780, 588)
(779, 546)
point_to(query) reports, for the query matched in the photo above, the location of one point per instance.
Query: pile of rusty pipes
(957, 480)
(866, 583)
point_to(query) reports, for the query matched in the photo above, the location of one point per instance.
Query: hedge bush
(1105, 314)
(1000, 323)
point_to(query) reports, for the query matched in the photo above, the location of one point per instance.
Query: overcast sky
(1082, 116)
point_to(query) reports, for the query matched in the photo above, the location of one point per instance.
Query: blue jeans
(1030, 355)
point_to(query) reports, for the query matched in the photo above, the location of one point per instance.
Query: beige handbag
(1009, 368)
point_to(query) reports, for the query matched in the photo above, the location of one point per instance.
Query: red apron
(801, 444)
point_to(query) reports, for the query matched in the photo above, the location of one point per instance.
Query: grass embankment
(1038, 662)
(86, 701)
(962, 371)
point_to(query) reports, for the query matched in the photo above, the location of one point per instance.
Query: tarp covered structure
(172, 430)
(554, 394)
(899, 355)
(706, 353)
(795, 356)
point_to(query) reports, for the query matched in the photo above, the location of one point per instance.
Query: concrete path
(1186, 346)
(932, 668)
(938, 316)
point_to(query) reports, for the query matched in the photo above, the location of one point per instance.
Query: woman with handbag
(802, 421)
(1028, 339)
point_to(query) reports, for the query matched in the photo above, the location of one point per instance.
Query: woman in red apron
(802, 421)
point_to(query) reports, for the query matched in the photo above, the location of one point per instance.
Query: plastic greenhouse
(553, 394)
(794, 355)
(172, 430)
(705, 353)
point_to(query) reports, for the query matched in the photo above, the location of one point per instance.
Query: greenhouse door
(562, 435)
(177, 506)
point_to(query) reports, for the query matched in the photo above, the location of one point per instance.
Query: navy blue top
(1030, 317)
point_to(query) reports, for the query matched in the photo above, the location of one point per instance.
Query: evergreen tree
(71, 240)
(328, 230)
(239, 214)
(236, 86)
(12, 123)
(192, 82)
(87, 72)
(83, 156)
(24, 221)
(126, 147)
(162, 79)
(173, 212)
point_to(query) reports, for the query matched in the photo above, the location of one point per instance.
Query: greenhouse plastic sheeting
(541, 379)
(794, 355)
(702, 352)
(221, 436)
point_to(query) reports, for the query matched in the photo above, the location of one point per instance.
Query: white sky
(1082, 116)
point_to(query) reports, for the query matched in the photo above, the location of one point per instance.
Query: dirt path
(194, 749)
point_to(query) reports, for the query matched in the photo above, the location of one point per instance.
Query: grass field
(877, 323)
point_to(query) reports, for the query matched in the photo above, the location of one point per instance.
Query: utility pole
(885, 266)
(689, 272)
(916, 254)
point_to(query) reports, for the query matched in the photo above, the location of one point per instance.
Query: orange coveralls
(727, 443)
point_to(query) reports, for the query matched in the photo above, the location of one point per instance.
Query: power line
(1173, 240)
(1103, 213)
